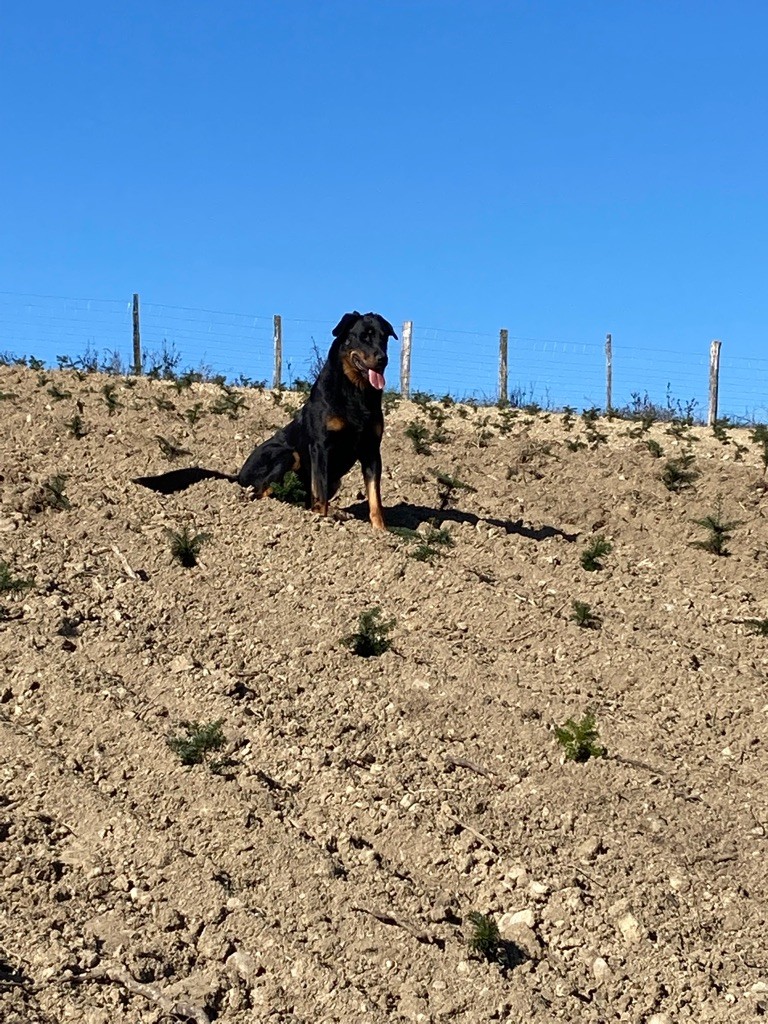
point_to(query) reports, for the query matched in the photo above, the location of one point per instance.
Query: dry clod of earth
(362, 811)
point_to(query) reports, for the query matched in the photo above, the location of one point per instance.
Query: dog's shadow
(403, 514)
(412, 516)
(180, 479)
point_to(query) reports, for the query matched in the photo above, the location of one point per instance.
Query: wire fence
(552, 373)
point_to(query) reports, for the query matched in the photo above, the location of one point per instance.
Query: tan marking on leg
(296, 461)
(375, 509)
(335, 423)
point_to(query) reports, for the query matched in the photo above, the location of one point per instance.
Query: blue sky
(563, 169)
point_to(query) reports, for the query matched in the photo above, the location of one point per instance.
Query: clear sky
(562, 168)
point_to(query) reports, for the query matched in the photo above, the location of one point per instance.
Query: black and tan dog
(340, 424)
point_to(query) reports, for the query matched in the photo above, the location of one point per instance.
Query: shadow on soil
(181, 479)
(411, 516)
(403, 514)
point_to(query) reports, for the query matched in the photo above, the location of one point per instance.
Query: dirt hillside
(322, 866)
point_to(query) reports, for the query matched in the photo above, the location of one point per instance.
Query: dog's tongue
(376, 380)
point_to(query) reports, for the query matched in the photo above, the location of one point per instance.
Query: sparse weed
(484, 938)
(719, 532)
(594, 551)
(391, 400)
(110, 397)
(372, 636)
(678, 473)
(164, 404)
(230, 404)
(419, 435)
(654, 448)
(57, 394)
(76, 426)
(759, 436)
(580, 740)
(199, 741)
(185, 546)
(568, 417)
(759, 626)
(54, 492)
(583, 615)
(194, 413)
(289, 489)
(10, 584)
(447, 485)
(170, 449)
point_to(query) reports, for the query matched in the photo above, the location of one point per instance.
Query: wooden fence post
(503, 366)
(608, 373)
(714, 381)
(137, 364)
(277, 335)
(405, 359)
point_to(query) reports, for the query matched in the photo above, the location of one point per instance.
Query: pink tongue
(376, 380)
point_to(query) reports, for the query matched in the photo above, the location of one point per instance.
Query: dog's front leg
(319, 458)
(370, 460)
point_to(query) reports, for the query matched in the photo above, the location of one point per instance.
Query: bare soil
(323, 868)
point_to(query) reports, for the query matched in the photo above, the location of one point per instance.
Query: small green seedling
(110, 397)
(185, 546)
(10, 584)
(289, 489)
(200, 740)
(57, 394)
(583, 615)
(719, 532)
(594, 551)
(372, 636)
(580, 740)
(53, 492)
(194, 413)
(229, 404)
(678, 473)
(654, 448)
(420, 436)
(484, 938)
(447, 485)
(170, 450)
(76, 426)
(759, 626)
(428, 543)
(759, 436)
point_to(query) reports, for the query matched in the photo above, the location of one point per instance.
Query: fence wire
(552, 373)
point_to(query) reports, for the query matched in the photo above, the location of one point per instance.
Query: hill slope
(325, 868)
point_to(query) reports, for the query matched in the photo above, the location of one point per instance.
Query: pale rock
(630, 928)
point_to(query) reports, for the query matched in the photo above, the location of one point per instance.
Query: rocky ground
(322, 866)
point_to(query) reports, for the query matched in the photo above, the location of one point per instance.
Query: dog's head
(362, 346)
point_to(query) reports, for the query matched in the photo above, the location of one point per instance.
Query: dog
(341, 422)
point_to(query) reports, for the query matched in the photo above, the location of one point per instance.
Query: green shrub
(372, 636)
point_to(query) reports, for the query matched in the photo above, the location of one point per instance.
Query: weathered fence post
(608, 373)
(277, 335)
(714, 381)
(503, 365)
(137, 365)
(405, 359)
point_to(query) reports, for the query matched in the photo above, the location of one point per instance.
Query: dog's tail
(268, 463)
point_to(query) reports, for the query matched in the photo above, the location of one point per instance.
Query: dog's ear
(388, 328)
(344, 326)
